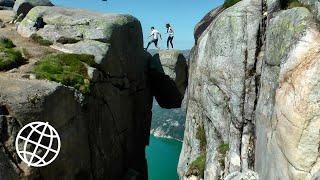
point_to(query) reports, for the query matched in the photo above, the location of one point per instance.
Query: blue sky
(182, 14)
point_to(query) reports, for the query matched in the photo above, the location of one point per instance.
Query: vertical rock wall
(254, 94)
(287, 123)
(222, 93)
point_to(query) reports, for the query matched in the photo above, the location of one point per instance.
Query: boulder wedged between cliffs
(169, 78)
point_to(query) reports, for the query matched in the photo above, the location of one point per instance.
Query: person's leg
(168, 40)
(171, 39)
(156, 43)
(149, 44)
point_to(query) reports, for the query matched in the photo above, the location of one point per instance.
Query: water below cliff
(163, 156)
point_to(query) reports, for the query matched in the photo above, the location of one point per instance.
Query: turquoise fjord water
(163, 156)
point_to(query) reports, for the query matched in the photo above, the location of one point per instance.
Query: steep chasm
(170, 122)
(104, 130)
(253, 91)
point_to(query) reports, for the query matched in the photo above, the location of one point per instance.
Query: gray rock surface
(248, 175)
(186, 52)
(73, 24)
(314, 5)
(28, 101)
(86, 32)
(287, 124)
(96, 48)
(174, 65)
(206, 21)
(24, 6)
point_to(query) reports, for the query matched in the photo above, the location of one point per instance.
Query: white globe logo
(38, 144)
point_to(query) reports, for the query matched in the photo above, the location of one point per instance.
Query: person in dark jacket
(171, 35)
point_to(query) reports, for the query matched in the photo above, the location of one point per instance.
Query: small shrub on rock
(40, 40)
(9, 58)
(288, 4)
(6, 43)
(229, 3)
(222, 150)
(197, 167)
(294, 3)
(68, 69)
(201, 136)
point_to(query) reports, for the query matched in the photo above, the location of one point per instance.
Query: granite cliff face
(253, 94)
(104, 124)
(94, 127)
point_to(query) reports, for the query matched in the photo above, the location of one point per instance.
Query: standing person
(171, 35)
(155, 34)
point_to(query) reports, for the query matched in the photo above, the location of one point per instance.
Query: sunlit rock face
(287, 122)
(222, 93)
(254, 88)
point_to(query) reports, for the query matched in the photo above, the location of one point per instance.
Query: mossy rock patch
(9, 58)
(67, 69)
(229, 3)
(222, 150)
(40, 40)
(6, 43)
(197, 167)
